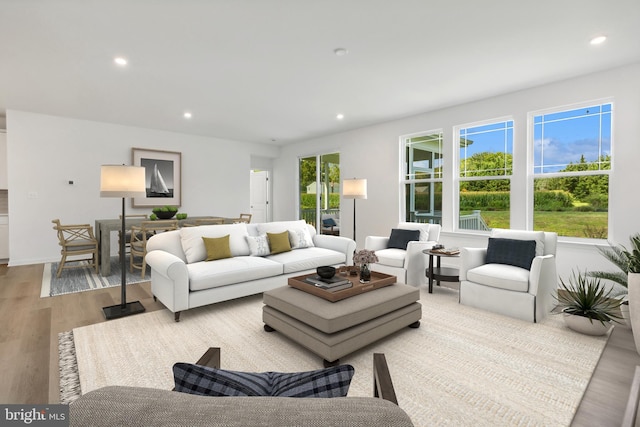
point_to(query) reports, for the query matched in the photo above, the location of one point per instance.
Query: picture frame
(163, 177)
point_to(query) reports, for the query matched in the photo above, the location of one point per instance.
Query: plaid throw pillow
(519, 253)
(205, 381)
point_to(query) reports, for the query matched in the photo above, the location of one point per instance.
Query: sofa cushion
(205, 381)
(307, 259)
(519, 253)
(206, 275)
(193, 245)
(300, 238)
(400, 238)
(538, 236)
(280, 226)
(391, 257)
(424, 229)
(279, 242)
(258, 245)
(500, 276)
(217, 247)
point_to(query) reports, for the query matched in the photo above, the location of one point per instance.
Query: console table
(104, 227)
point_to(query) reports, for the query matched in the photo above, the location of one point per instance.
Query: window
(571, 167)
(486, 158)
(423, 177)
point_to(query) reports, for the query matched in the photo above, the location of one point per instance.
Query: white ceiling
(263, 70)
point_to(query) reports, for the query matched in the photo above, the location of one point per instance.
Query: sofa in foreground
(244, 259)
(142, 407)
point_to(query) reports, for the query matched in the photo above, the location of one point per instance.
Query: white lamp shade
(354, 188)
(122, 181)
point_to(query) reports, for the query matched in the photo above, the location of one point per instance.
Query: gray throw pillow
(400, 238)
(519, 253)
(205, 381)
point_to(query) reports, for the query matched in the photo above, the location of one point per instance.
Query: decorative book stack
(443, 251)
(333, 284)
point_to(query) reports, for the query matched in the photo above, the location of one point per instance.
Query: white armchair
(508, 289)
(409, 265)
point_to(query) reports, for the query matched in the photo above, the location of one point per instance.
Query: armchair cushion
(400, 238)
(500, 276)
(206, 381)
(518, 253)
(392, 257)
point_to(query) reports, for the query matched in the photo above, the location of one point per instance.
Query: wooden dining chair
(209, 221)
(127, 240)
(76, 240)
(245, 218)
(139, 236)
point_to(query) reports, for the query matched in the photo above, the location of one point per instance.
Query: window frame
(532, 175)
(457, 178)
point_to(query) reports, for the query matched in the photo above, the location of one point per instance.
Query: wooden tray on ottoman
(378, 280)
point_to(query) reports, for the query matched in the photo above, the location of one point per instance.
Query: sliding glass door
(319, 184)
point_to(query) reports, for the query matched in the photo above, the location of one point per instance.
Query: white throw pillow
(280, 226)
(300, 238)
(258, 245)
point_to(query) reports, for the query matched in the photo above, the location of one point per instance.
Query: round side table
(438, 273)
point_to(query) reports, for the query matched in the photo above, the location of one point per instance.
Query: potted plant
(363, 258)
(615, 254)
(586, 304)
(632, 256)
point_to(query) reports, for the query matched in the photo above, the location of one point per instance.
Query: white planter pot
(633, 286)
(584, 325)
(625, 322)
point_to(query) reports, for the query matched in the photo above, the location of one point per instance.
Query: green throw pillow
(279, 242)
(217, 247)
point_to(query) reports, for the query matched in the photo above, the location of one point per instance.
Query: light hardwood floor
(29, 327)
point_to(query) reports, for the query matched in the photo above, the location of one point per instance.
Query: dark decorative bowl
(326, 271)
(165, 214)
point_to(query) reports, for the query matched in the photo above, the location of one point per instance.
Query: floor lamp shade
(122, 181)
(354, 189)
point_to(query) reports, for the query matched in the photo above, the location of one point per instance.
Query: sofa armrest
(169, 280)
(375, 243)
(471, 258)
(337, 243)
(415, 261)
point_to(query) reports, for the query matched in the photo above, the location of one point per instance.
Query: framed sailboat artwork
(163, 171)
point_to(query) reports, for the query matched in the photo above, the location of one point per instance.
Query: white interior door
(259, 196)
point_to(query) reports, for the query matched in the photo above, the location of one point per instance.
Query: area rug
(84, 279)
(463, 366)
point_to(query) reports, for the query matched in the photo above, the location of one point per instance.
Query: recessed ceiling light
(187, 115)
(340, 116)
(120, 61)
(340, 51)
(598, 40)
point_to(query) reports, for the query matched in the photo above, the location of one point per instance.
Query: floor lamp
(354, 189)
(122, 181)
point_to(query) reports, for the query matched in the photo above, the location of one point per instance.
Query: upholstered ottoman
(334, 329)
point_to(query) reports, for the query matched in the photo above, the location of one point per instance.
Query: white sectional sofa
(181, 278)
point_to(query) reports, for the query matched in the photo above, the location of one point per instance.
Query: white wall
(45, 152)
(374, 153)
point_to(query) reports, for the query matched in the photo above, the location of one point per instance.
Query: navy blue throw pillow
(400, 238)
(205, 381)
(329, 222)
(519, 253)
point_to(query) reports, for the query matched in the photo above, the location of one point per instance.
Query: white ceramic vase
(584, 325)
(633, 287)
